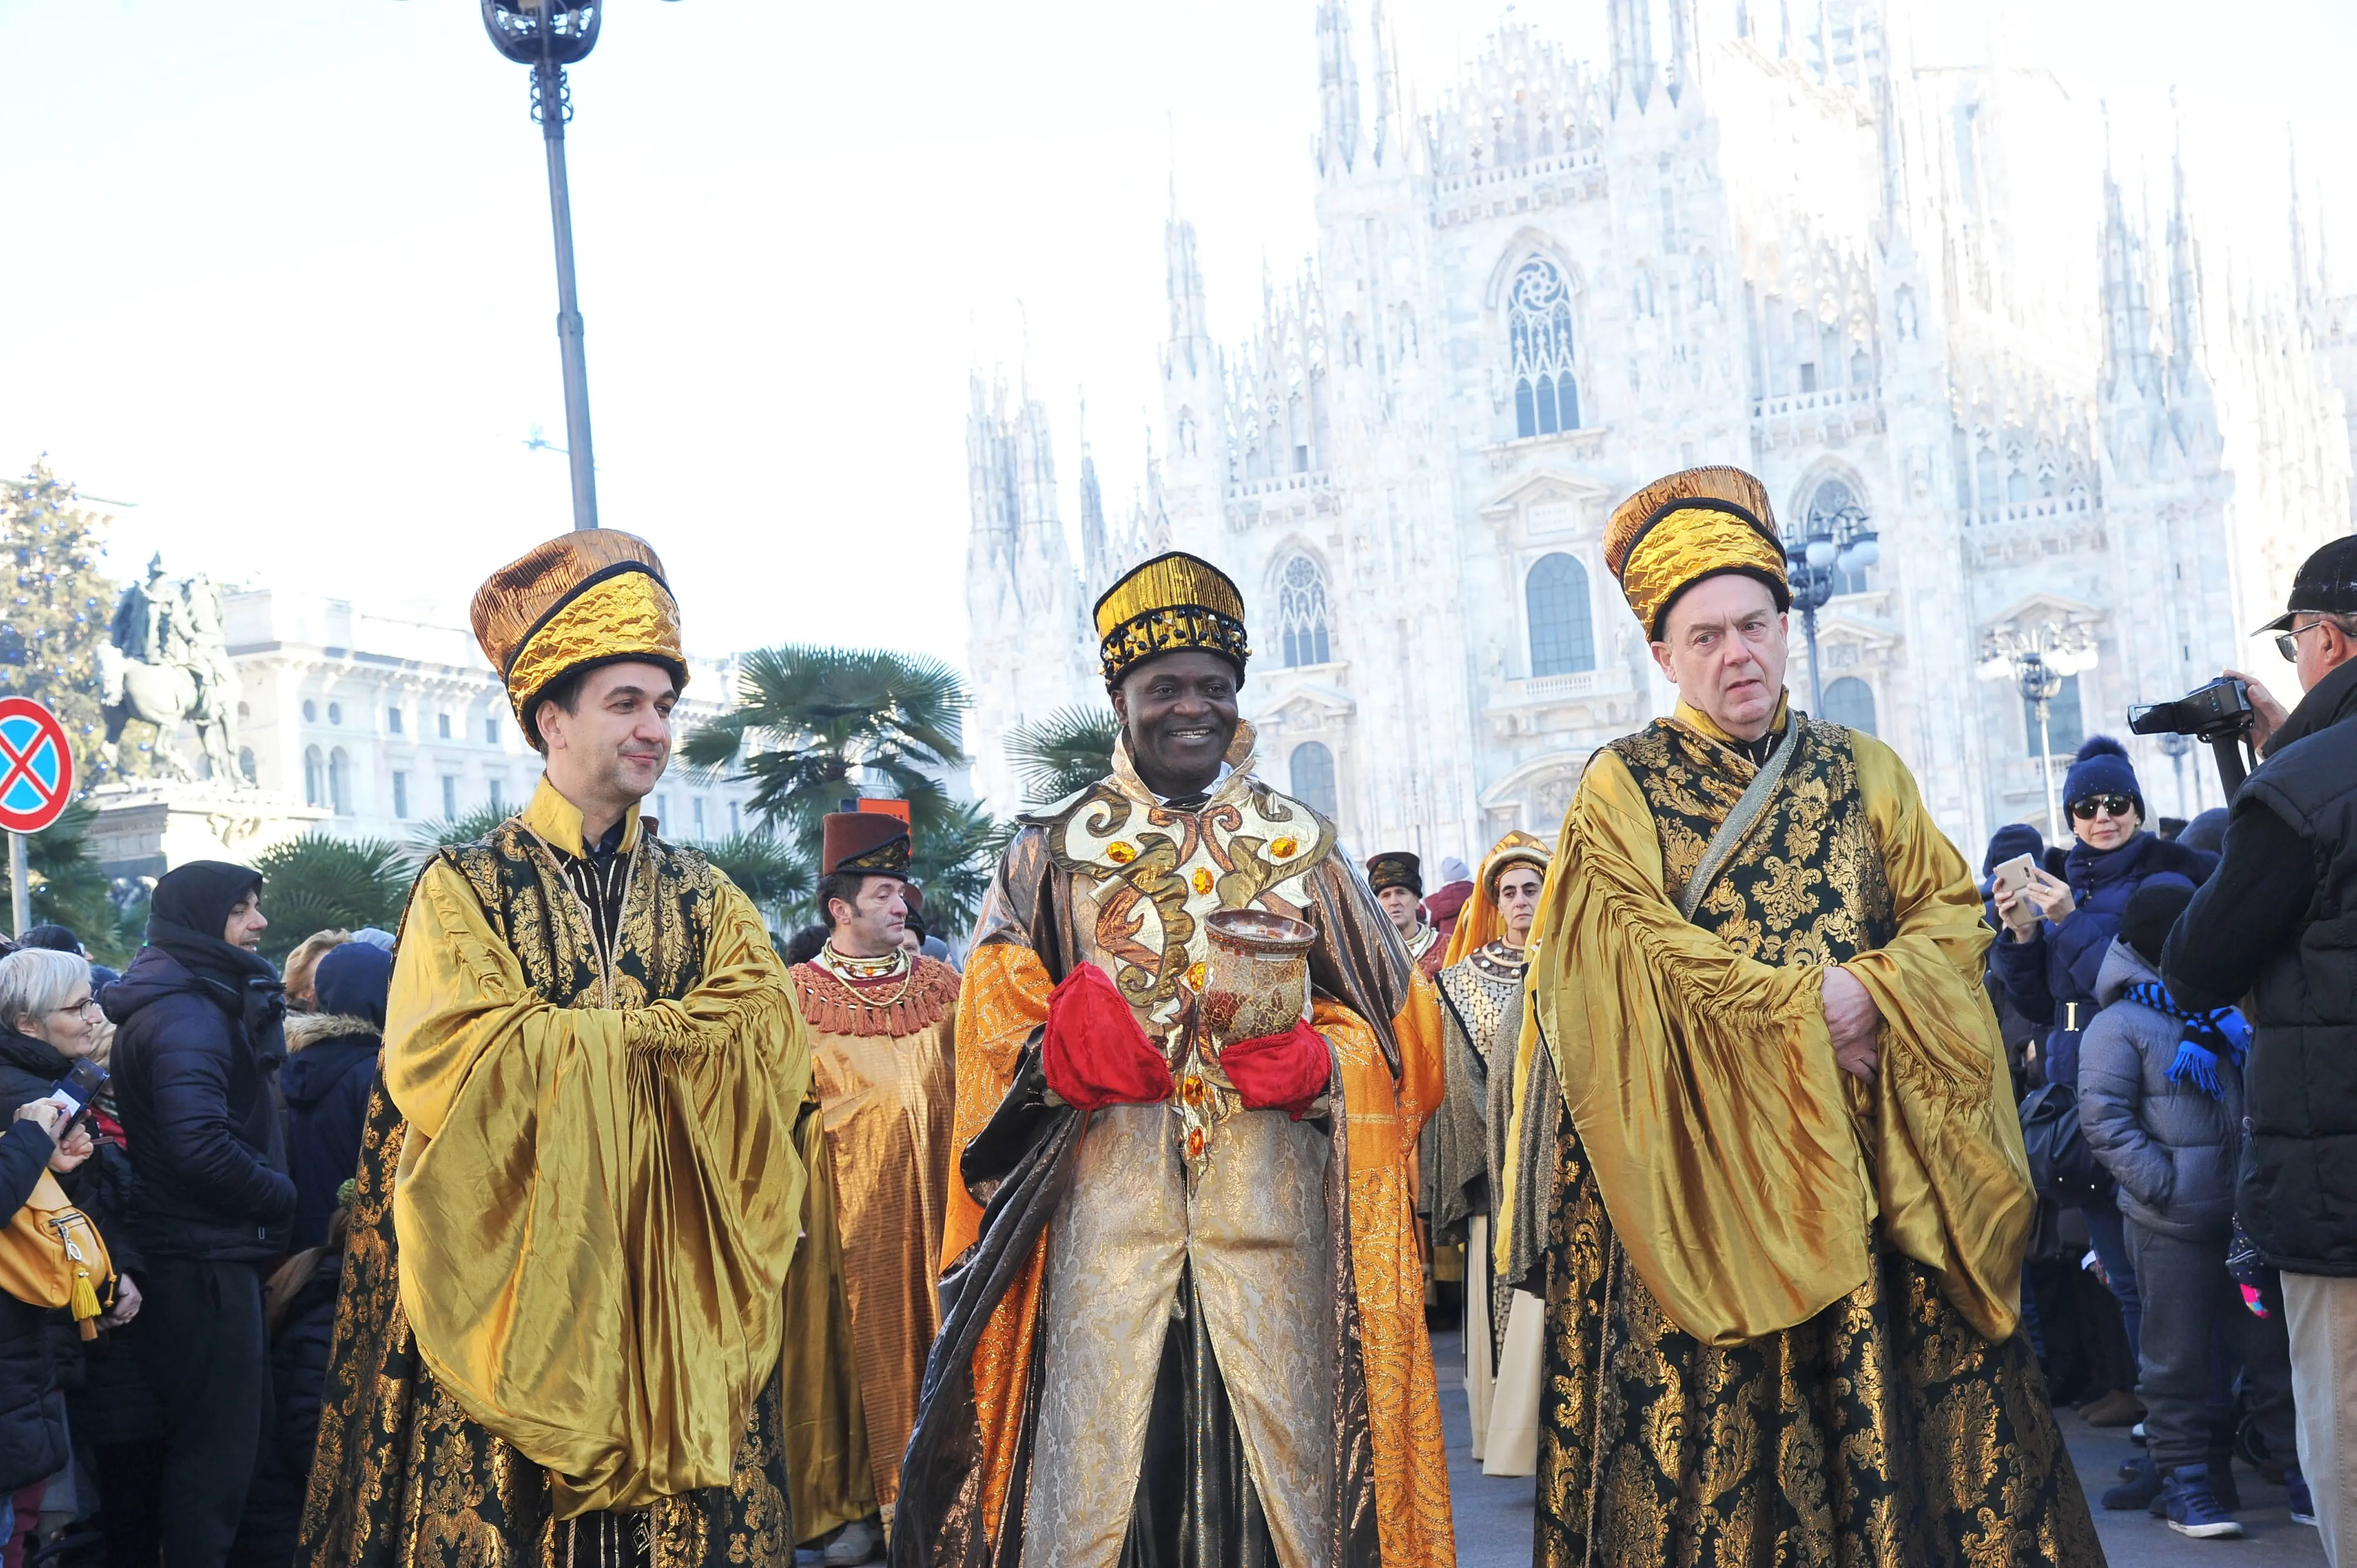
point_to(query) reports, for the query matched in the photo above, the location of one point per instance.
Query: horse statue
(168, 660)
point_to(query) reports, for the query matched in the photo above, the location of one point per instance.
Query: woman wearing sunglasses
(2058, 928)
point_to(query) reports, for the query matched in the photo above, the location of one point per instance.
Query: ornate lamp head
(562, 32)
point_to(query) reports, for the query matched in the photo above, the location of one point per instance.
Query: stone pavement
(1495, 1515)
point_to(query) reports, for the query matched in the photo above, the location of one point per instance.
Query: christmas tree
(57, 612)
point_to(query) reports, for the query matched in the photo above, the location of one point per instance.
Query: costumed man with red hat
(883, 1026)
(1791, 1197)
(1183, 1303)
(557, 1340)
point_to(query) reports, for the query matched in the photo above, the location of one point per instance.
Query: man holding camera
(2278, 922)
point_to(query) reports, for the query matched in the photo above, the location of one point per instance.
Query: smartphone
(2012, 875)
(78, 1087)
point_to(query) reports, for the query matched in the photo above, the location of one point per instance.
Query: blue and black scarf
(2205, 1037)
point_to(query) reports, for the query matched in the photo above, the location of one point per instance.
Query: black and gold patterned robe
(1781, 1303)
(598, 1226)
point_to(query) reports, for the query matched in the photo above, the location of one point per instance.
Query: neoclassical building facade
(1913, 294)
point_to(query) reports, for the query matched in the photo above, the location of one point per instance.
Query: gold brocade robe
(1342, 1403)
(882, 1059)
(577, 1198)
(1780, 1303)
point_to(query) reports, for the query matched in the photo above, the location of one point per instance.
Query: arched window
(1984, 478)
(339, 783)
(245, 764)
(1563, 640)
(315, 777)
(1850, 701)
(1827, 505)
(1538, 329)
(1301, 612)
(1313, 777)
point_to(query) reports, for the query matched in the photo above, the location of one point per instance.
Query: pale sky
(278, 270)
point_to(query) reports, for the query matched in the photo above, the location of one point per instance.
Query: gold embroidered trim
(833, 1007)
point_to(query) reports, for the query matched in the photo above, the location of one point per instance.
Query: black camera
(2219, 713)
(2221, 708)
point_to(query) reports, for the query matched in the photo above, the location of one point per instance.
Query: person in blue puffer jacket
(2058, 930)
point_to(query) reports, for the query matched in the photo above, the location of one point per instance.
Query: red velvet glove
(1280, 1072)
(1093, 1051)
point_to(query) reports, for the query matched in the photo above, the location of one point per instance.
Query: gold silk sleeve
(1951, 1170)
(1416, 1028)
(1701, 1084)
(595, 1206)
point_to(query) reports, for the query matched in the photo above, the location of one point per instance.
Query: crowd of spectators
(165, 1410)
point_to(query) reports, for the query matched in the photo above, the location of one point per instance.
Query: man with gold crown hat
(1792, 1197)
(558, 1335)
(1396, 877)
(1480, 1019)
(883, 1024)
(1183, 1318)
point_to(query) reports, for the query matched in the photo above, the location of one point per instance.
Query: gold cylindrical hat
(1168, 605)
(588, 597)
(1691, 525)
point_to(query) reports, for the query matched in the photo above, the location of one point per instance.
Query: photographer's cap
(2326, 585)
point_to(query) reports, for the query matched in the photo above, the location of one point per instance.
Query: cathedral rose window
(1538, 329)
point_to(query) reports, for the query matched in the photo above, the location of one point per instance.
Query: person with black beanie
(199, 1041)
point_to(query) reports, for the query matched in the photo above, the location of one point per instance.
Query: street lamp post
(1830, 542)
(2038, 661)
(548, 35)
(2174, 748)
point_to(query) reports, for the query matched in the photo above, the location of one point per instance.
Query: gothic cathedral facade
(1911, 298)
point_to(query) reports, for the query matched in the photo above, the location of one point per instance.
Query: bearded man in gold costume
(1791, 1197)
(1182, 1317)
(557, 1339)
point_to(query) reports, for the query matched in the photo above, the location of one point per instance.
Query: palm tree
(1064, 753)
(813, 726)
(766, 869)
(449, 832)
(316, 882)
(953, 862)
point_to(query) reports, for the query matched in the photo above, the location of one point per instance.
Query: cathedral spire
(1190, 333)
(2304, 294)
(1338, 92)
(2184, 266)
(1095, 564)
(1390, 125)
(1630, 23)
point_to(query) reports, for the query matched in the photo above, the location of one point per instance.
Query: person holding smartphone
(2051, 954)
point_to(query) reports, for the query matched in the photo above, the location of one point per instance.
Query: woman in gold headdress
(1481, 1019)
(1791, 1197)
(558, 1334)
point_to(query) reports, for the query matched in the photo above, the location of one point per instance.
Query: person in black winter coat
(331, 1064)
(2279, 924)
(47, 1021)
(199, 1041)
(32, 1410)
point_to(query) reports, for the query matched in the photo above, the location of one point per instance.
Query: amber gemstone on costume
(1191, 1090)
(1196, 973)
(1284, 848)
(1194, 1143)
(1202, 879)
(1121, 851)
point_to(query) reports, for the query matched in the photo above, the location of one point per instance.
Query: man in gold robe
(1481, 993)
(883, 1026)
(558, 1335)
(1183, 1318)
(1792, 1197)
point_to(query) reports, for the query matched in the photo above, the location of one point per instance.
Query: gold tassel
(85, 1303)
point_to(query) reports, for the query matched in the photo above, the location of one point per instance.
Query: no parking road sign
(36, 774)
